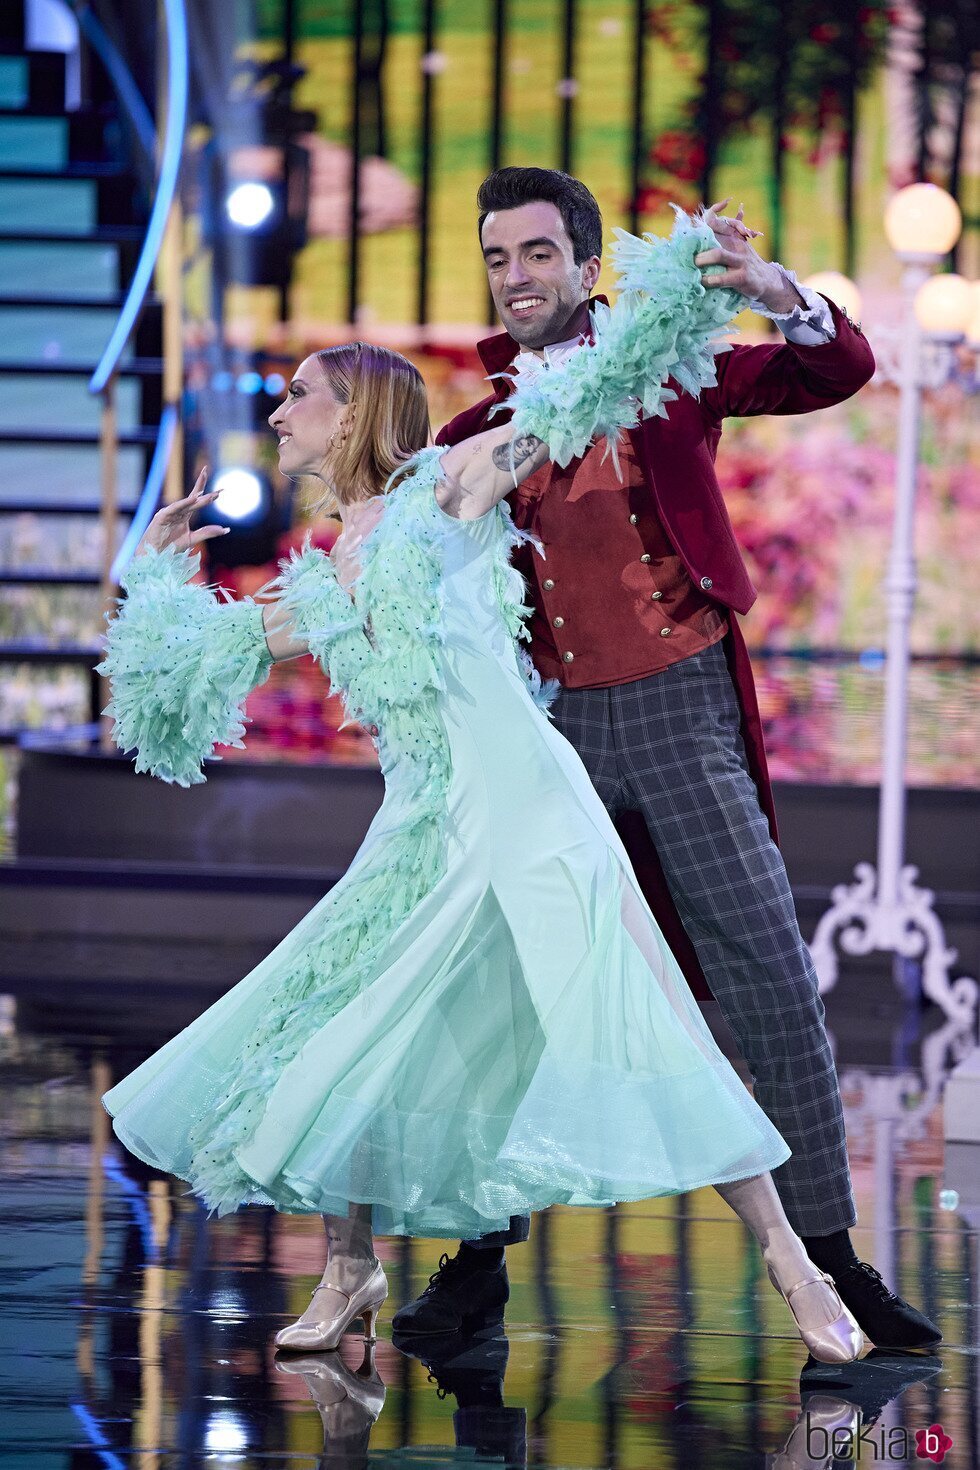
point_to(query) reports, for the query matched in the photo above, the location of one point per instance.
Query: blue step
(30, 401)
(32, 268)
(63, 473)
(68, 205)
(48, 333)
(33, 142)
(14, 81)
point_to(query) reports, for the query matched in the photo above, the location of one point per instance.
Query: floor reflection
(137, 1333)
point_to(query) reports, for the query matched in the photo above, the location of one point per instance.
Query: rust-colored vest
(630, 608)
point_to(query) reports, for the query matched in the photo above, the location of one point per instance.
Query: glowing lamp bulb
(923, 221)
(944, 306)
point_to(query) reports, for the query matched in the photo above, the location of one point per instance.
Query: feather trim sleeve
(180, 663)
(665, 325)
(323, 613)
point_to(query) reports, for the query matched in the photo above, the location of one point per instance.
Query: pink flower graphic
(932, 1444)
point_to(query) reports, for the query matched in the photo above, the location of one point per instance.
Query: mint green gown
(482, 1018)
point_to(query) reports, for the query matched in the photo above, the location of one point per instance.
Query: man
(634, 615)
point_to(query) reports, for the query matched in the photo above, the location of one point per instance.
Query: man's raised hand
(743, 268)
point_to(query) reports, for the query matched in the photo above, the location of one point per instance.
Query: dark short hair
(509, 188)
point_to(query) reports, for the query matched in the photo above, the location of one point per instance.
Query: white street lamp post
(884, 910)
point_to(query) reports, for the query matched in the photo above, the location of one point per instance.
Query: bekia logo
(932, 1444)
(869, 1445)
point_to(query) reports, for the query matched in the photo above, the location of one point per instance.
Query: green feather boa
(666, 324)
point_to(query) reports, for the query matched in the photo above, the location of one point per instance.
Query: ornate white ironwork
(884, 909)
(908, 927)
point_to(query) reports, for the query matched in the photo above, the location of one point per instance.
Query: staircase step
(70, 205)
(27, 141)
(29, 400)
(142, 435)
(67, 472)
(91, 131)
(41, 578)
(15, 83)
(57, 331)
(58, 270)
(32, 81)
(94, 195)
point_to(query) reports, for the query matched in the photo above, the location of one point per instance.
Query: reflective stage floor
(136, 1333)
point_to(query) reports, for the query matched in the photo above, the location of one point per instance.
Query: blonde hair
(389, 420)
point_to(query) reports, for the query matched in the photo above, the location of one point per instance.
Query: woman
(482, 1018)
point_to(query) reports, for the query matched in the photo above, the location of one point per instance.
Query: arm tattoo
(523, 446)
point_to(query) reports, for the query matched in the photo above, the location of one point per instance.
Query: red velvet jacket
(677, 456)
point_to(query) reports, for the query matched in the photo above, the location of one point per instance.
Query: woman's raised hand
(171, 524)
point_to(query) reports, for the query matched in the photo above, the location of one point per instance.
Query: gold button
(547, 584)
(645, 557)
(656, 596)
(633, 520)
(559, 622)
(567, 657)
(665, 632)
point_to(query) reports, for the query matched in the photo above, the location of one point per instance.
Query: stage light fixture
(250, 205)
(255, 182)
(241, 494)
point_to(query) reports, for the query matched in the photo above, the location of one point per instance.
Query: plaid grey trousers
(669, 747)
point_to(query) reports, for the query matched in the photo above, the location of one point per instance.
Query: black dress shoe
(461, 1295)
(887, 1320)
(470, 1366)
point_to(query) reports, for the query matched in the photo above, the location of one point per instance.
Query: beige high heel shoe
(324, 1335)
(840, 1341)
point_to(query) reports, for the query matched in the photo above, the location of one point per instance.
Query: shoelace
(875, 1277)
(441, 1393)
(446, 1267)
